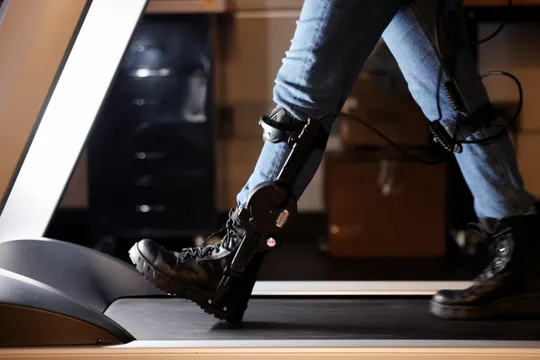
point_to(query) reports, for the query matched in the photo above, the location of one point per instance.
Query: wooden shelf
(219, 6)
(491, 3)
(186, 6)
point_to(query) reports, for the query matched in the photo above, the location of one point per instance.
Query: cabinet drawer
(170, 41)
(182, 97)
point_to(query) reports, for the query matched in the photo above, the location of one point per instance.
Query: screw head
(271, 242)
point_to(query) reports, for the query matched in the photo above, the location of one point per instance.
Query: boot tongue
(479, 230)
(487, 225)
(233, 230)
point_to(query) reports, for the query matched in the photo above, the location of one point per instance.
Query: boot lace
(498, 251)
(228, 233)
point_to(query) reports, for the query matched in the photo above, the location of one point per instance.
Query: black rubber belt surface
(274, 319)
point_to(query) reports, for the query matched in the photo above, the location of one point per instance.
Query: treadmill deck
(309, 319)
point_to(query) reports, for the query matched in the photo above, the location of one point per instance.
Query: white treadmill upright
(58, 59)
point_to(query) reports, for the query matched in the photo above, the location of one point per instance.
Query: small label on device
(282, 218)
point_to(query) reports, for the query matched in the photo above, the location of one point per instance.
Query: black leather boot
(194, 273)
(509, 285)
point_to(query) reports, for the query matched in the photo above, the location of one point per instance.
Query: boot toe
(444, 297)
(166, 262)
(149, 250)
(465, 297)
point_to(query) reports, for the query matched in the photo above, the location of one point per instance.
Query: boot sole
(232, 314)
(513, 306)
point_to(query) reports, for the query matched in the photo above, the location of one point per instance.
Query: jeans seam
(502, 174)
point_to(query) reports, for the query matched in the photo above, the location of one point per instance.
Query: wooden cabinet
(186, 6)
(382, 206)
(217, 6)
(151, 153)
(487, 3)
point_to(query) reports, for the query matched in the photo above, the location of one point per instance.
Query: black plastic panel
(87, 276)
(157, 123)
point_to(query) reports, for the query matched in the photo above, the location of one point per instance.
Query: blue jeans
(333, 39)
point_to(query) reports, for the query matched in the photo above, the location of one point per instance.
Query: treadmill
(59, 299)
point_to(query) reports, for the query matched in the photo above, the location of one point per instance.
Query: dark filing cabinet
(151, 153)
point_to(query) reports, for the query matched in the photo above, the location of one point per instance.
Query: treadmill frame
(39, 183)
(108, 25)
(291, 349)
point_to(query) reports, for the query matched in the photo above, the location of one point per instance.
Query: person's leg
(332, 40)
(490, 168)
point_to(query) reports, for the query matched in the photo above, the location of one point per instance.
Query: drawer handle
(142, 155)
(146, 72)
(142, 102)
(150, 208)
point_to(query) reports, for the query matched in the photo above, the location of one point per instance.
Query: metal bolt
(271, 242)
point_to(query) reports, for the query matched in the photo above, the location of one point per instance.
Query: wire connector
(441, 136)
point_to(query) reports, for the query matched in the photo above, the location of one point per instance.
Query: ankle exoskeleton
(271, 206)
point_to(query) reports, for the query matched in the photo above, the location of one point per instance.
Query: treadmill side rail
(56, 293)
(34, 314)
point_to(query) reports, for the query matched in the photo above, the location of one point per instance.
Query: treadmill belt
(302, 319)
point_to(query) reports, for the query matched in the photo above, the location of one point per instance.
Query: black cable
(498, 30)
(439, 160)
(512, 120)
(393, 144)
(444, 54)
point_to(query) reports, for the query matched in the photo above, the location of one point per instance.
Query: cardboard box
(252, 53)
(382, 206)
(380, 101)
